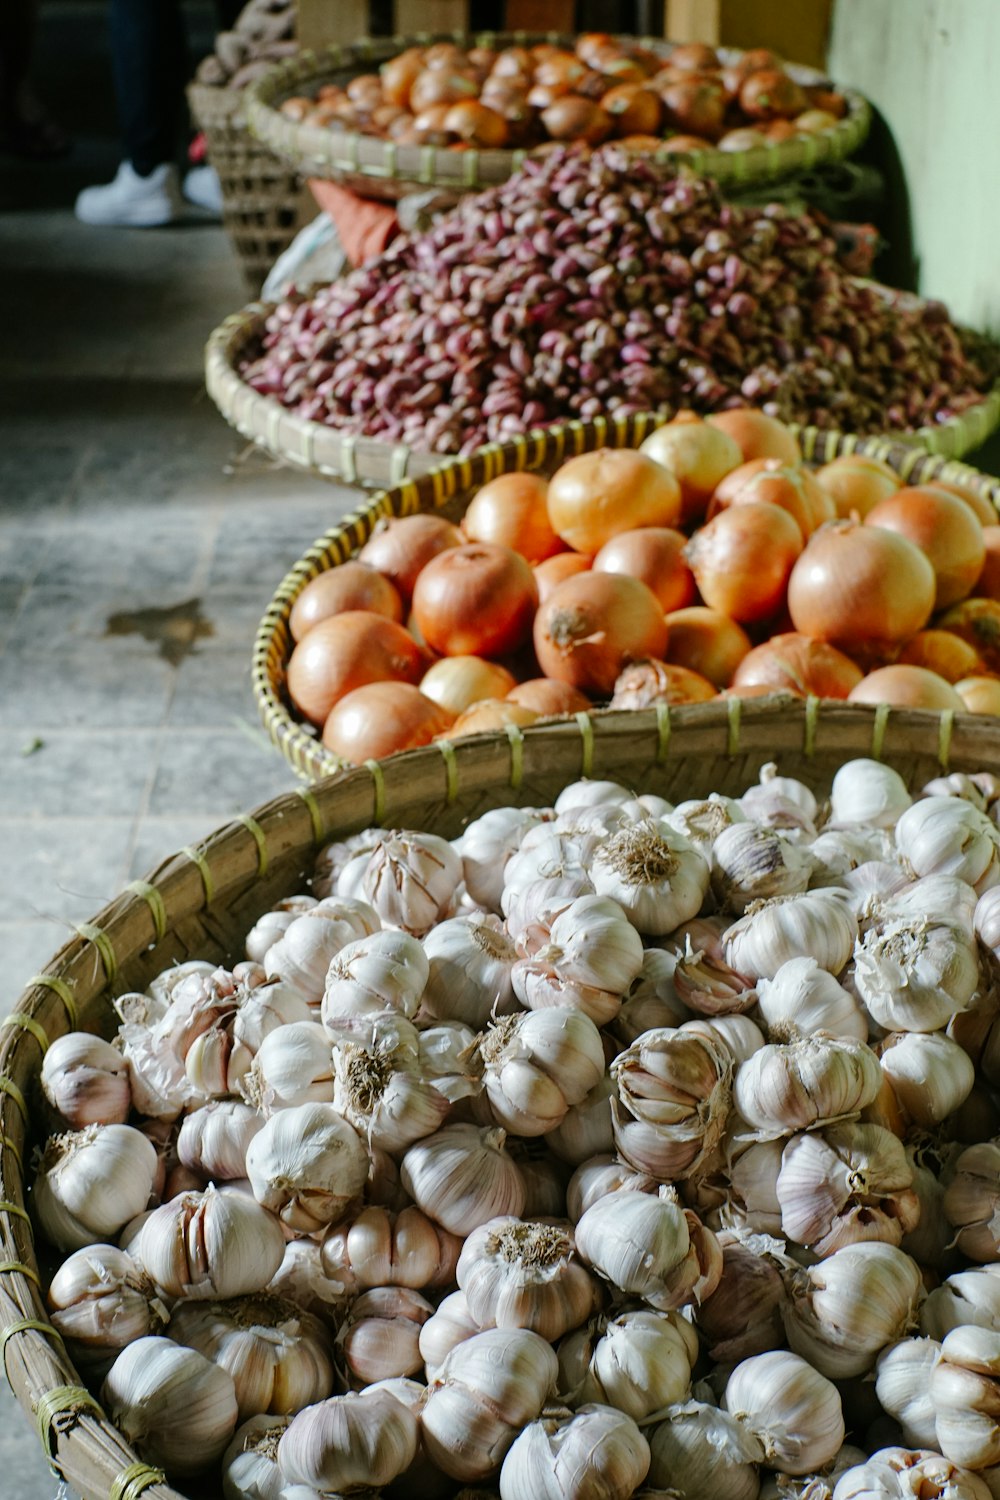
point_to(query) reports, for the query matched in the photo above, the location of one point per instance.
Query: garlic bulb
(970, 1202)
(749, 1199)
(652, 1000)
(817, 1486)
(940, 898)
(792, 1410)
(699, 1451)
(802, 1085)
(803, 998)
(842, 1312)
(600, 1175)
(173, 1405)
(741, 1035)
(850, 1182)
(537, 1065)
(548, 854)
(468, 979)
(742, 1317)
(592, 956)
(461, 1177)
(446, 1057)
(914, 975)
(898, 1473)
(274, 924)
(594, 1453)
(530, 910)
(964, 1391)
(868, 793)
(545, 1176)
(278, 1356)
(966, 1297)
(986, 919)
(100, 1300)
(930, 1075)
(673, 1101)
(815, 924)
(585, 1130)
(750, 864)
(91, 1182)
(348, 1442)
(384, 972)
(380, 1337)
(488, 1388)
(638, 1362)
(302, 955)
(657, 876)
(381, 1248)
(87, 1081)
(411, 880)
(780, 802)
(703, 981)
(339, 856)
(250, 1463)
(702, 820)
(485, 847)
(948, 836)
(215, 1244)
(650, 1248)
(377, 1087)
(591, 793)
(302, 1279)
(451, 1324)
(903, 1386)
(294, 1065)
(307, 1165)
(525, 1275)
(213, 1140)
(219, 1057)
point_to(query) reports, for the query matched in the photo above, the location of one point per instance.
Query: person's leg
(149, 60)
(25, 128)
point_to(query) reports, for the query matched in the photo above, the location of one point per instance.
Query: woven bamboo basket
(264, 204)
(203, 900)
(382, 169)
(338, 456)
(448, 490)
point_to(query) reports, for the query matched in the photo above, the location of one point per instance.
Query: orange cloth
(364, 226)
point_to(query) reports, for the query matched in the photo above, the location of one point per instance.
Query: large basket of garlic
(581, 1111)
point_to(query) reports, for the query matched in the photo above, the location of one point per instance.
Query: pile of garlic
(615, 1148)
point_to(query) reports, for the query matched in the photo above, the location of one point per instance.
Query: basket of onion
(463, 1121)
(458, 113)
(631, 563)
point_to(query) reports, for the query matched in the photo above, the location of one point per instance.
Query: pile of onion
(709, 561)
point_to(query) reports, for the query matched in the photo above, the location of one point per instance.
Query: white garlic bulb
(537, 1065)
(380, 1337)
(250, 1463)
(382, 1248)
(213, 1140)
(966, 1297)
(940, 898)
(302, 955)
(701, 820)
(792, 1409)
(364, 1439)
(946, 835)
(638, 1362)
(585, 1130)
(273, 924)
(294, 1065)
(100, 1301)
(657, 876)
(650, 1248)
(91, 1182)
(815, 924)
(412, 879)
(750, 864)
(802, 1085)
(915, 975)
(930, 1075)
(174, 1406)
(446, 1054)
(278, 1355)
(526, 1275)
(673, 1100)
(699, 1451)
(600, 1175)
(592, 956)
(781, 802)
(971, 1198)
(307, 1165)
(964, 1389)
(215, 1244)
(868, 793)
(487, 844)
(384, 972)
(844, 1311)
(468, 978)
(377, 1087)
(803, 998)
(451, 1324)
(903, 1386)
(846, 1183)
(652, 1000)
(337, 859)
(302, 1279)
(461, 1177)
(218, 1059)
(530, 910)
(898, 1473)
(594, 1453)
(743, 1315)
(591, 792)
(749, 1198)
(86, 1080)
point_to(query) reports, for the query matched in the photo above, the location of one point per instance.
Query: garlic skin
(294, 1065)
(526, 1275)
(345, 1443)
(461, 1177)
(844, 1311)
(302, 955)
(411, 880)
(898, 1473)
(749, 1196)
(450, 1325)
(657, 876)
(379, 1338)
(673, 1100)
(742, 1317)
(384, 972)
(595, 1453)
(970, 1201)
(537, 1065)
(91, 1182)
(850, 1182)
(176, 1408)
(803, 998)
(489, 1387)
(650, 1248)
(487, 844)
(698, 1450)
(930, 1241)
(793, 1411)
(750, 864)
(869, 793)
(379, 1248)
(446, 1057)
(308, 1166)
(592, 956)
(469, 964)
(946, 835)
(903, 1386)
(964, 1392)
(250, 1463)
(277, 1355)
(930, 1075)
(967, 1297)
(803, 1085)
(638, 1362)
(215, 1244)
(817, 1486)
(816, 924)
(87, 1081)
(213, 1140)
(100, 1301)
(914, 975)
(302, 1280)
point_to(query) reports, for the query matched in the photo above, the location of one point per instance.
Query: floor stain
(174, 629)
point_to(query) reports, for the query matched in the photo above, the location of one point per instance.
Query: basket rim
(321, 152)
(79, 1440)
(449, 480)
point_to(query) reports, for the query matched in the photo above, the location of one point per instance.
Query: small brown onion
(591, 626)
(743, 559)
(399, 547)
(345, 652)
(635, 109)
(595, 496)
(945, 530)
(492, 713)
(942, 652)
(457, 682)
(978, 622)
(475, 122)
(381, 718)
(653, 554)
(988, 583)
(352, 585)
(793, 663)
(574, 118)
(857, 482)
(647, 682)
(706, 641)
(699, 455)
(979, 695)
(400, 73)
(476, 600)
(546, 697)
(758, 435)
(555, 570)
(906, 687)
(511, 511)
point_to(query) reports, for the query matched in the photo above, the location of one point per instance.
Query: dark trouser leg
(149, 59)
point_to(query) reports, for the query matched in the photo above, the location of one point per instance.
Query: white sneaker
(201, 187)
(131, 200)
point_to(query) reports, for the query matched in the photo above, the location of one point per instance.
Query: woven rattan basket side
(449, 488)
(264, 204)
(202, 901)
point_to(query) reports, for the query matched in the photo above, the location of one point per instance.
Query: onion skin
(546, 697)
(793, 663)
(352, 585)
(345, 652)
(401, 546)
(945, 530)
(706, 642)
(943, 652)
(743, 559)
(591, 626)
(510, 511)
(476, 600)
(757, 434)
(647, 682)
(381, 719)
(903, 686)
(595, 496)
(979, 694)
(857, 483)
(654, 555)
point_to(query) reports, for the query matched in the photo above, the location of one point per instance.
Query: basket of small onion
(601, 1109)
(632, 563)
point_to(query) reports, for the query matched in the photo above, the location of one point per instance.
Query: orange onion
(456, 682)
(977, 621)
(786, 485)
(742, 560)
(699, 455)
(510, 511)
(863, 589)
(857, 482)
(793, 663)
(643, 683)
(706, 642)
(476, 600)
(980, 695)
(943, 652)
(401, 545)
(983, 508)
(988, 583)
(735, 480)
(492, 713)
(945, 530)
(595, 496)
(381, 718)
(547, 697)
(903, 686)
(592, 625)
(550, 573)
(757, 434)
(352, 585)
(653, 554)
(345, 652)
